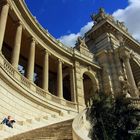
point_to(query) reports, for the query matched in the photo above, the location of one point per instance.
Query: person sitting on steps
(8, 121)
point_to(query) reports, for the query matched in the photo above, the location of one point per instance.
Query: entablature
(37, 31)
(107, 24)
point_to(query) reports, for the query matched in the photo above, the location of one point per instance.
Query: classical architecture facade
(40, 76)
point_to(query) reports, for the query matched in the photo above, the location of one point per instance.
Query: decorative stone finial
(100, 16)
(101, 10)
(81, 42)
(83, 48)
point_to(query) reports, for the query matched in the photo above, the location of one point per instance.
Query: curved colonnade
(38, 73)
(43, 80)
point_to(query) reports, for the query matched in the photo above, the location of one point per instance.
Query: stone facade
(50, 77)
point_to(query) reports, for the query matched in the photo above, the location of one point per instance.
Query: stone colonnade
(125, 56)
(31, 58)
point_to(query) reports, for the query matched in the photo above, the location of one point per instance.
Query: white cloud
(131, 17)
(70, 39)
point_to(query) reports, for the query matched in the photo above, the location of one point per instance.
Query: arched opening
(88, 88)
(135, 70)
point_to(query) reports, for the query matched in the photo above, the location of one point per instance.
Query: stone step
(28, 125)
(42, 138)
(57, 131)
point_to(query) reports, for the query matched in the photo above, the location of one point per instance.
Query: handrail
(80, 127)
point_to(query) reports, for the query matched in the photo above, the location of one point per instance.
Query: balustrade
(8, 68)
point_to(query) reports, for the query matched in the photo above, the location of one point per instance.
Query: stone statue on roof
(100, 16)
(81, 42)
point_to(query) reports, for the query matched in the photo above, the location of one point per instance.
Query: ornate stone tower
(116, 51)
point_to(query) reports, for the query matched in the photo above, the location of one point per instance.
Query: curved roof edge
(45, 35)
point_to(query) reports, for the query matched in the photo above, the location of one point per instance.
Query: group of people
(9, 121)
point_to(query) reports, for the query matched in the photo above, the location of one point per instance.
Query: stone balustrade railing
(19, 78)
(80, 127)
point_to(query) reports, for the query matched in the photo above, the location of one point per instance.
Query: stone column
(17, 45)
(45, 71)
(72, 84)
(59, 80)
(126, 56)
(31, 61)
(3, 21)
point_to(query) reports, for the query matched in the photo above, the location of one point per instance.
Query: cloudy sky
(68, 19)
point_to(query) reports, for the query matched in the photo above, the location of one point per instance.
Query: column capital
(72, 66)
(60, 60)
(19, 24)
(4, 2)
(45, 51)
(32, 39)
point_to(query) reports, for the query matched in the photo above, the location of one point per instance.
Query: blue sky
(66, 18)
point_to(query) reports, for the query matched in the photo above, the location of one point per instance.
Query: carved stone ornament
(125, 86)
(81, 42)
(99, 17)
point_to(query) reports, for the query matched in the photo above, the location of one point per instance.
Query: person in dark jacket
(9, 121)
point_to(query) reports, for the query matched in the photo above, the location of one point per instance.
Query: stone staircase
(31, 124)
(57, 131)
(29, 114)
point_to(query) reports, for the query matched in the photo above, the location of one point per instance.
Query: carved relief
(125, 86)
